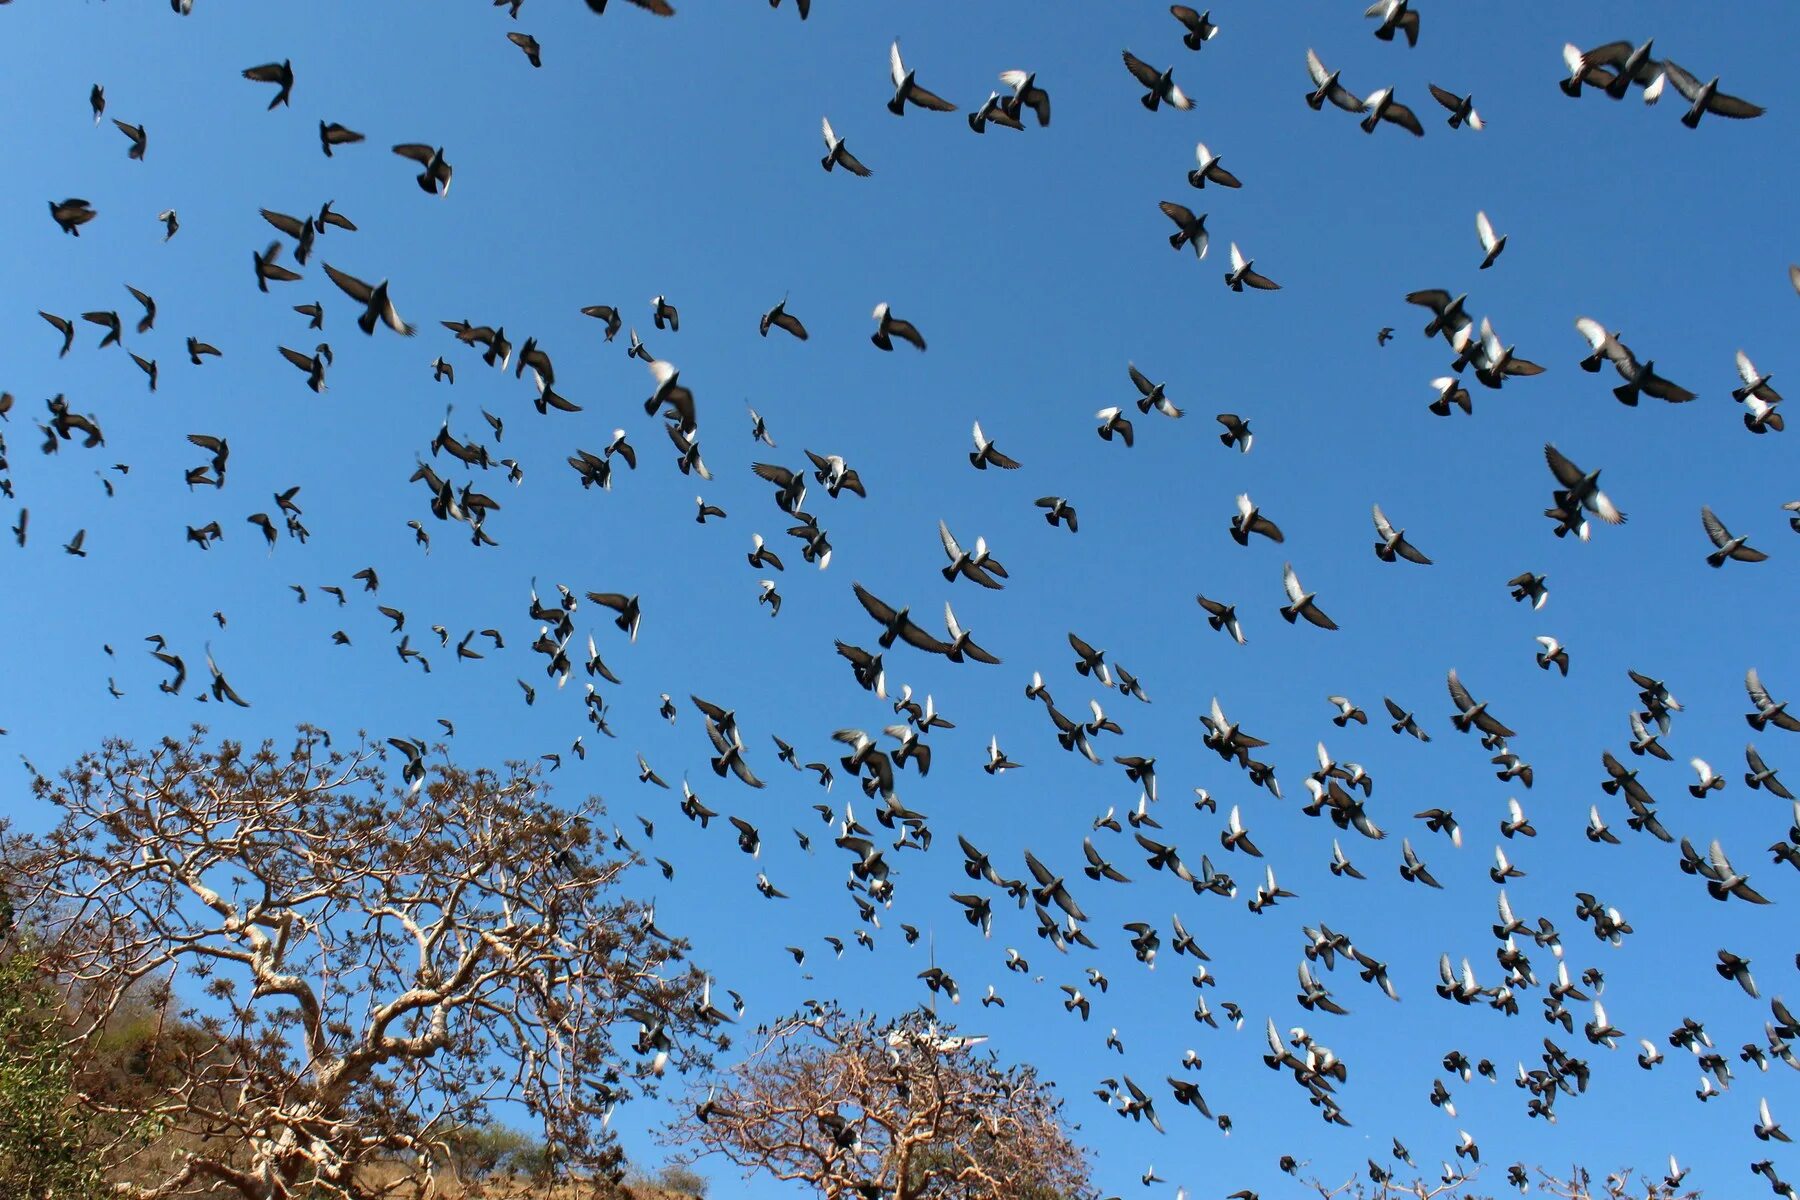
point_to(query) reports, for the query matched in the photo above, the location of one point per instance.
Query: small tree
(382, 964)
(905, 1109)
(45, 1149)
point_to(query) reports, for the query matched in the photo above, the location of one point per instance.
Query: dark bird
(1396, 16)
(1242, 275)
(71, 214)
(907, 89)
(1189, 229)
(1198, 26)
(332, 134)
(1461, 108)
(138, 139)
(281, 74)
(376, 304)
(434, 174)
(888, 327)
(837, 154)
(986, 453)
(1159, 85)
(780, 318)
(528, 44)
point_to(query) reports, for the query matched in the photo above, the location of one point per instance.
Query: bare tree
(906, 1109)
(380, 963)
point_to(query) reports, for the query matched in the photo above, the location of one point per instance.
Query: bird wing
(929, 100)
(896, 68)
(1291, 582)
(417, 151)
(1566, 472)
(352, 287)
(1715, 529)
(1142, 71)
(1484, 229)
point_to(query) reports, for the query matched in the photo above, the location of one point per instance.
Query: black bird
(529, 44)
(1199, 26)
(71, 214)
(1160, 85)
(434, 176)
(332, 134)
(376, 304)
(281, 74)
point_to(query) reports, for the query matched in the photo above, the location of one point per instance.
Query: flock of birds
(1530, 970)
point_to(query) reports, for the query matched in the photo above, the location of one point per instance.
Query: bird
(1396, 16)
(1706, 97)
(1300, 603)
(1393, 544)
(1198, 26)
(1461, 108)
(1249, 520)
(71, 214)
(138, 139)
(779, 318)
(1552, 653)
(1190, 230)
(1726, 546)
(1639, 377)
(837, 154)
(1382, 106)
(332, 134)
(1580, 489)
(1491, 244)
(907, 90)
(986, 454)
(1241, 274)
(377, 307)
(1326, 87)
(888, 327)
(280, 74)
(529, 45)
(1159, 85)
(434, 170)
(1026, 94)
(1210, 170)
(1237, 432)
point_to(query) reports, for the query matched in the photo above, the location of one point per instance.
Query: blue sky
(681, 157)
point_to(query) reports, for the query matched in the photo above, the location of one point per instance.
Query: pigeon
(281, 74)
(434, 174)
(1461, 108)
(1210, 170)
(907, 90)
(1198, 26)
(1160, 85)
(1300, 603)
(1725, 545)
(1395, 16)
(1242, 275)
(1393, 543)
(1491, 245)
(888, 327)
(1326, 87)
(1706, 97)
(837, 154)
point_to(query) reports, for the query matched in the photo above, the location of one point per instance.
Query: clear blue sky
(681, 157)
